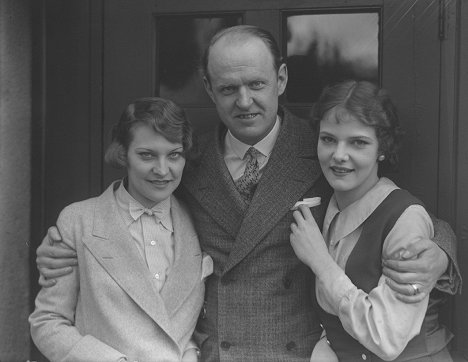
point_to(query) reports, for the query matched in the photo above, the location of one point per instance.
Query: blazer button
(287, 283)
(291, 345)
(225, 345)
(364, 357)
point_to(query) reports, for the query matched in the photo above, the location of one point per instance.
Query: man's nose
(244, 98)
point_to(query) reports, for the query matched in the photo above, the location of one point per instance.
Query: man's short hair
(244, 31)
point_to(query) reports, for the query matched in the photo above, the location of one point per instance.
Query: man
(258, 301)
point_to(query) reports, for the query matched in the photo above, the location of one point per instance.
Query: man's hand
(54, 258)
(421, 264)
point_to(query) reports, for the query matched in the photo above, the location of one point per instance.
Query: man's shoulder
(295, 120)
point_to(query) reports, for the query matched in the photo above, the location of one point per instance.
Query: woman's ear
(116, 156)
(122, 155)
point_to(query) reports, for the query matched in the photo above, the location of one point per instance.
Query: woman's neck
(346, 198)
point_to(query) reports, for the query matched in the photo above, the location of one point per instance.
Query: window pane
(327, 48)
(180, 42)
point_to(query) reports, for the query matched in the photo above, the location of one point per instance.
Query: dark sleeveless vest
(364, 268)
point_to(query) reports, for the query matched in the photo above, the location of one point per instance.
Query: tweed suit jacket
(258, 301)
(109, 308)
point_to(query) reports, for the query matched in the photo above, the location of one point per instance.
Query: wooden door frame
(452, 195)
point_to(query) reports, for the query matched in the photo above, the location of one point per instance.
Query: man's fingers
(52, 263)
(401, 278)
(408, 290)
(55, 251)
(53, 235)
(46, 283)
(405, 266)
(416, 247)
(55, 273)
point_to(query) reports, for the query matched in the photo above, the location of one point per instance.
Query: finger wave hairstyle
(162, 115)
(371, 105)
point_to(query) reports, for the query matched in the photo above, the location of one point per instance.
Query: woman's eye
(360, 143)
(326, 139)
(145, 155)
(175, 155)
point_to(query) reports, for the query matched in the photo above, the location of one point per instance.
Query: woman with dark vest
(368, 219)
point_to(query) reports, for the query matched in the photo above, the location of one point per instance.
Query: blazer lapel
(291, 171)
(212, 186)
(186, 271)
(113, 247)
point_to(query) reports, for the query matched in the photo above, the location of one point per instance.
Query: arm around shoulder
(444, 237)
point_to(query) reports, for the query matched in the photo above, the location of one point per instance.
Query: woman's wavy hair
(371, 105)
(162, 115)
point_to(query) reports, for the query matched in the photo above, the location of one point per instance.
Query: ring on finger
(415, 288)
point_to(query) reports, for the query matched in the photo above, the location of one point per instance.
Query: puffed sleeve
(378, 320)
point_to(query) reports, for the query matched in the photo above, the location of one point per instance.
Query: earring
(381, 158)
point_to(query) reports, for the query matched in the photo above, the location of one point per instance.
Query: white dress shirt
(153, 235)
(234, 151)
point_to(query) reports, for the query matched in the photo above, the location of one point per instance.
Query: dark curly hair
(371, 105)
(163, 115)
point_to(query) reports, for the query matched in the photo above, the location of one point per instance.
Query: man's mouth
(247, 116)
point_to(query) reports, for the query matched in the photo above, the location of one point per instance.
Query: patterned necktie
(247, 183)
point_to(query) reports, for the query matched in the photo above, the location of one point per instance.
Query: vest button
(225, 345)
(364, 357)
(291, 345)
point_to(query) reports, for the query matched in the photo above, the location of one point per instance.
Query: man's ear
(208, 88)
(282, 78)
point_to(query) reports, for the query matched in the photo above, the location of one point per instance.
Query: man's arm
(426, 264)
(54, 258)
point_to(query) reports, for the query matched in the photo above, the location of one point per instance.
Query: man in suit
(258, 300)
(257, 303)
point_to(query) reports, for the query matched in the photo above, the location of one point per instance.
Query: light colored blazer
(108, 308)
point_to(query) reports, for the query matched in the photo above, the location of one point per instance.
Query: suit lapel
(185, 273)
(113, 247)
(212, 186)
(291, 171)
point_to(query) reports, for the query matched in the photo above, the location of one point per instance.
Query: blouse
(378, 320)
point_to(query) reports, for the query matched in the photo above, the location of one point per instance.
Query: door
(152, 48)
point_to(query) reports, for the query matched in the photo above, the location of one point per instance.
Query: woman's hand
(307, 242)
(191, 355)
(54, 258)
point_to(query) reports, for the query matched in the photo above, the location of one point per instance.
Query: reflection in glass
(180, 43)
(327, 48)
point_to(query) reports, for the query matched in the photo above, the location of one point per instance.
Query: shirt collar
(126, 201)
(355, 214)
(264, 146)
